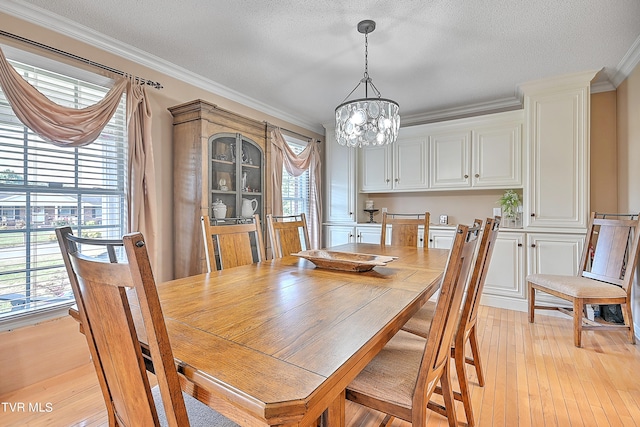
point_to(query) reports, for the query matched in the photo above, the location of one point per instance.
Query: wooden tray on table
(344, 261)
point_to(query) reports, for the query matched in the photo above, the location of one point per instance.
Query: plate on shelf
(344, 261)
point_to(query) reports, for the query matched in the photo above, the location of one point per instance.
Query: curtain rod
(156, 85)
(293, 132)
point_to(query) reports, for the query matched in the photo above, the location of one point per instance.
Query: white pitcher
(249, 207)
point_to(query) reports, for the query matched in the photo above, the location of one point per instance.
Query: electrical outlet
(384, 210)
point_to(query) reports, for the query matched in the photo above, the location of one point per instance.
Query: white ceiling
(301, 58)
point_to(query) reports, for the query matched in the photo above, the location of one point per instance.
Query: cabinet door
(506, 270)
(410, 164)
(340, 179)
(375, 168)
(554, 254)
(335, 235)
(368, 234)
(558, 135)
(497, 156)
(449, 157)
(441, 239)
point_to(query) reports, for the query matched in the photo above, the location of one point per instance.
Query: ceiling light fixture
(367, 121)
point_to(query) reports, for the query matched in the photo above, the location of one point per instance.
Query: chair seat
(200, 415)
(420, 322)
(391, 376)
(577, 286)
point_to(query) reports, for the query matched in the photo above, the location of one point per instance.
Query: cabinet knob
(519, 245)
(533, 245)
(466, 176)
(350, 213)
(388, 180)
(397, 179)
(533, 214)
(477, 175)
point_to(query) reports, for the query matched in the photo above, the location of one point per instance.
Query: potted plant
(510, 204)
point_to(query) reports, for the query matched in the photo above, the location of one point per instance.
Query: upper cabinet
(398, 166)
(340, 180)
(557, 189)
(479, 152)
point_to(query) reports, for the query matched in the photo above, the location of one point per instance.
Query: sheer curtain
(71, 127)
(309, 159)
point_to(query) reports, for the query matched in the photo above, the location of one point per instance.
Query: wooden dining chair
(400, 380)
(288, 234)
(232, 242)
(102, 288)
(605, 275)
(404, 228)
(466, 330)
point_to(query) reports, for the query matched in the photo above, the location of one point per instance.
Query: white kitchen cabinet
(553, 254)
(480, 152)
(506, 275)
(375, 170)
(368, 233)
(557, 187)
(497, 154)
(399, 166)
(335, 235)
(449, 159)
(441, 238)
(340, 181)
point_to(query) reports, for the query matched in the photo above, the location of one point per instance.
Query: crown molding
(628, 63)
(481, 108)
(86, 35)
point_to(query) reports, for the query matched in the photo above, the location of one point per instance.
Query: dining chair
(404, 228)
(605, 274)
(401, 378)
(288, 234)
(232, 242)
(466, 330)
(109, 294)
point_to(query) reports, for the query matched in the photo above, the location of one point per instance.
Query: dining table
(277, 342)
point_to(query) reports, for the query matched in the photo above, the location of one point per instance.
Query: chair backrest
(404, 228)
(445, 319)
(610, 253)
(102, 292)
(228, 246)
(287, 234)
(479, 274)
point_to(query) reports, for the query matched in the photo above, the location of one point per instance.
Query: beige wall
(174, 92)
(628, 128)
(604, 153)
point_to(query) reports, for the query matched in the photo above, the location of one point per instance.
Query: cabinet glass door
(235, 177)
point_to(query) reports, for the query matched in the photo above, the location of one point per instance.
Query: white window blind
(43, 186)
(295, 190)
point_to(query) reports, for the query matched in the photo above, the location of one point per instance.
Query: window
(295, 190)
(43, 186)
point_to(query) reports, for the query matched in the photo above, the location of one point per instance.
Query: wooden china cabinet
(218, 156)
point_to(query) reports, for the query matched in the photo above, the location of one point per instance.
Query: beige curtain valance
(54, 123)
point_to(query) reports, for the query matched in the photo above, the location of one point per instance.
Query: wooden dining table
(277, 342)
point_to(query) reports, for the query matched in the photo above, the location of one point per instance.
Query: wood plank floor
(534, 377)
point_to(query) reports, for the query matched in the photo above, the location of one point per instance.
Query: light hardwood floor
(534, 377)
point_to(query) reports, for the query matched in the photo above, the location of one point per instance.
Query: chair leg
(447, 394)
(532, 301)
(461, 371)
(628, 319)
(475, 352)
(578, 307)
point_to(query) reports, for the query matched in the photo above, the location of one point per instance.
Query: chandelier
(367, 121)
